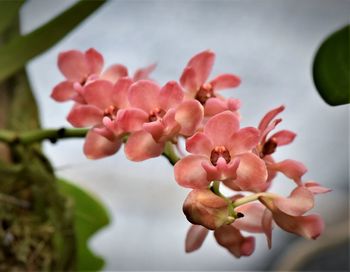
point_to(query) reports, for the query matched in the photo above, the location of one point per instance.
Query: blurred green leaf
(15, 54)
(8, 12)
(331, 68)
(90, 216)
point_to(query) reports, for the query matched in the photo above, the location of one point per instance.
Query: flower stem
(170, 153)
(38, 135)
(251, 198)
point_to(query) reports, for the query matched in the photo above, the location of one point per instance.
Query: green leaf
(90, 216)
(15, 54)
(8, 12)
(331, 69)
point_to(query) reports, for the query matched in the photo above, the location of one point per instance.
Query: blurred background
(270, 44)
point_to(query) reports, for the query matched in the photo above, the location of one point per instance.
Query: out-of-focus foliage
(8, 11)
(15, 54)
(89, 217)
(331, 68)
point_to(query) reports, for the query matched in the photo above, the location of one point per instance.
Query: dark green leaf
(90, 216)
(15, 54)
(8, 12)
(331, 68)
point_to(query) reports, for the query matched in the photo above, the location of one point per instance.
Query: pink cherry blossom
(157, 115)
(103, 102)
(222, 152)
(194, 78)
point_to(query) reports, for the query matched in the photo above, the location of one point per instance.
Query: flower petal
(199, 143)
(95, 60)
(252, 219)
(195, 237)
(170, 95)
(156, 129)
(217, 105)
(85, 116)
(132, 119)
(114, 72)
(299, 202)
(202, 64)
(316, 188)
(144, 94)
(243, 141)
(269, 117)
(251, 173)
(120, 92)
(231, 238)
(143, 73)
(190, 173)
(64, 91)
(266, 223)
(141, 146)
(97, 146)
(99, 94)
(225, 81)
(188, 80)
(189, 115)
(291, 168)
(283, 137)
(220, 128)
(73, 65)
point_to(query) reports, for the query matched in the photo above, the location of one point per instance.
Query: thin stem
(29, 137)
(250, 198)
(170, 153)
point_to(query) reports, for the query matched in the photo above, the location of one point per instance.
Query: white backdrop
(270, 44)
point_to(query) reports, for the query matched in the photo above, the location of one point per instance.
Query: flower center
(217, 152)
(204, 93)
(156, 114)
(269, 147)
(111, 112)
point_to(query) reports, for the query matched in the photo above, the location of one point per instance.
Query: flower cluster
(150, 118)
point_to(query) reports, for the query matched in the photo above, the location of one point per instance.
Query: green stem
(170, 153)
(251, 198)
(38, 135)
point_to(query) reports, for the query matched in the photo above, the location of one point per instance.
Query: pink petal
(299, 202)
(97, 146)
(114, 72)
(99, 94)
(85, 116)
(189, 115)
(217, 105)
(199, 144)
(120, 92)
(144, 94)
(73, 65)
(195, 237)
(251, 173)
(251, 221)
(227, 171)
(143, 73)
(156, 129)
(268, 117)
(220, 128)
(190, 173)
(132, 119)
(202, 64)
(266, 223)
(231, 238)
(243, 141)
(63, 91)
(188, 80)
(316, 188)
(310, 226)
(270, 127)
(225, 81)
(291, 168)
(171, 127)
(170, 95)
(141, 146)
(95, 60)
(283, 137)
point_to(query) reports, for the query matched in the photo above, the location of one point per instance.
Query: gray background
(269, 44)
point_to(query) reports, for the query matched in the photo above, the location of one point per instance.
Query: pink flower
(81, 68)
(194, 78)
(268, 145)
(227, 236)
(222, 152)
(103, 102)
(157, 115)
